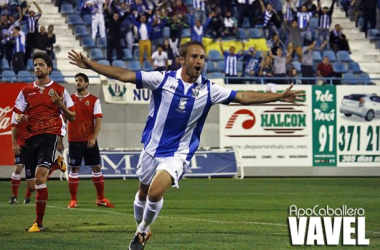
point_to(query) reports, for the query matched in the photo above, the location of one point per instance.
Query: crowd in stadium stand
(294, 30)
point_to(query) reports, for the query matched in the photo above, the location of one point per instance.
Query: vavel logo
(326, 225)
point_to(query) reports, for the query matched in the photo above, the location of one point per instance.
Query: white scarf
(199, 30)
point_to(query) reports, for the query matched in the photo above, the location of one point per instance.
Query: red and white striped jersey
(87, 109)
(44, 117)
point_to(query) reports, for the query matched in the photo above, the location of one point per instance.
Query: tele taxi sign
(326, 226)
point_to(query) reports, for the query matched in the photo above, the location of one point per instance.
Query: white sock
(139, 207)
(152, 209)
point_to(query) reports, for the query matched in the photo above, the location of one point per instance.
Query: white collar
(45, 86)
(82, 96)
(178, 76)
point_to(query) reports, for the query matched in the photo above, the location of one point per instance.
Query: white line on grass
(184, 218)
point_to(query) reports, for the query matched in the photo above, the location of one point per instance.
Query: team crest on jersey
(195, 92)
(182, 105)
(51, 92)
(87, 103)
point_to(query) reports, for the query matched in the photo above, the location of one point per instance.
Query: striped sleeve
(149, 80)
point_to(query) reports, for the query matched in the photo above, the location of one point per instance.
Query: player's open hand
(292, 96)
(78, 59)
(57, 99)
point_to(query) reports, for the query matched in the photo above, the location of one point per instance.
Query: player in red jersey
(43, 104)
(83, 134)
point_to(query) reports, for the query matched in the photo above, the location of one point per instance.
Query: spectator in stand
(157, 27)
(177, 64)
(4, 4)
(7, 36)
(96, 8)
(113, 33)
(345, 4)
(293, 75)
(215, 29)
(41, 40)
(325, 69)
(144, 30)
(295, 39)
(225, 5)
(369, 15)
(231, 62)
(160, 59)
(180, 9)
(176, 26)
(324, 14)
(51, 41)
(251, 63)
(246, 8)
(338, 40)
(169, 51)
(18, 50)
(307, 60)
(31, 19)
(14, 6)
(303, 18)
(230, 25)
(356, 7)
(272, 20)
(266, 68)
(289, 11)
(279, 65)
(275, 43)
(199, 7)
(198, 30)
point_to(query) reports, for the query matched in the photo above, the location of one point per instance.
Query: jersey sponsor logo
(244, 116)
(182, 105)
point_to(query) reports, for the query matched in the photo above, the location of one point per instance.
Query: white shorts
(148, 165)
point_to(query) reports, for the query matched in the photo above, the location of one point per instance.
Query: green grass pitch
(203, 214)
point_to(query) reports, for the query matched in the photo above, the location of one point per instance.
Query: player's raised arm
(124, 75)
(252, 97)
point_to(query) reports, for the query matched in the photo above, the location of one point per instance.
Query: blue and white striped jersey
(178, 111)
(199, 5)
(231, 64)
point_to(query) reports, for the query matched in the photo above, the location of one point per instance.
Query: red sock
(28, 192)
(97, 179)
(15, 183)
(73, 185)
(41, 200)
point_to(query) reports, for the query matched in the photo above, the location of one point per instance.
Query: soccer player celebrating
(83, 134)
(42, 103)
(179, 106)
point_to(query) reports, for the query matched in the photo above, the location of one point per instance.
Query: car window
(375, 98)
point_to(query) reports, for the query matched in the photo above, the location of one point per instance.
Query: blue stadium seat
(96, 54)
(317, 58)
(134, 65)
(186, 33)
(74, 19)
(87, 19)
(214, 55)
(29, 65)
(343, 56)
(246, 23)
(240, 66)
(221, 66)
(255, 33)
(136, 54)
(57, 76)
(297, 66)
(101, 42)
(88, 42)
(331, 55)
(242, 34)
(215, 75)
(25, 76)
(211, 67)
(8, 76)
(339, 67)
(365, 79)
(81, 31)
(127, 54)
(104, 62)
(354, 67)
(166, 32)
(5, 64)
(118, 63)
(350, 79)
(147, 66)
(67, 8)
